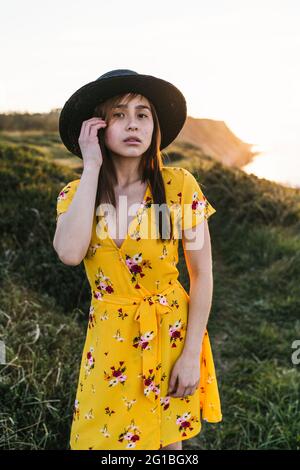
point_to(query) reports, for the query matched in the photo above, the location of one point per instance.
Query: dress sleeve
(195, 206)
(65, 197)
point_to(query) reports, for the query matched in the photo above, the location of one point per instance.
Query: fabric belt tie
(149, 310)
(149, 314)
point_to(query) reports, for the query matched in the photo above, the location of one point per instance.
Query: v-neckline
(119, 248)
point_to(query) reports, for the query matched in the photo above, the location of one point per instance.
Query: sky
(235, 61)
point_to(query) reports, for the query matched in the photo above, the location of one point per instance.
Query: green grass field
(44, 304)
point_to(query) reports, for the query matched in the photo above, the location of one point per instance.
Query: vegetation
(44, 304)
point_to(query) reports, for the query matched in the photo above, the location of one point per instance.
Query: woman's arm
(74, 227)
(185, 376)
(199, 263)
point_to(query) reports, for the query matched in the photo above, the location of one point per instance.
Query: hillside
(209, 136)
(253, 322)
(214, 138)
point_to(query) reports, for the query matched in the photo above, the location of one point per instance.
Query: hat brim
(169, 103)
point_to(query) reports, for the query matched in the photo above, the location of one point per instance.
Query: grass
(252, 325)
(36, 395)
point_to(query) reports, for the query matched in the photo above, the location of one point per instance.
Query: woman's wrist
(191, 354)
(91, 168)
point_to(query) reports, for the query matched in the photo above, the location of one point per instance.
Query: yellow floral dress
(136, 329)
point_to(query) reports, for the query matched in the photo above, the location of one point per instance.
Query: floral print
(76, 410)
(92, 250)
(136, 265)
(137, 322)
(185, 423)
(92, 317)
(131, 435)
(89, 362)
(103, 285)
(175, 332)
(151, 387)
(143, 341)
(117, 375)
(196, 207)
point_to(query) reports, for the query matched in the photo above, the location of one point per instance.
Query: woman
(147, 369)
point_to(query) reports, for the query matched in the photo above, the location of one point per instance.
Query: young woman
(147, 369)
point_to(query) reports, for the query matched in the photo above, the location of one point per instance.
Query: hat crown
(168, 101)
(117, 73)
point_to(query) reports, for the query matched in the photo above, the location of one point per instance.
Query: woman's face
(131, 120)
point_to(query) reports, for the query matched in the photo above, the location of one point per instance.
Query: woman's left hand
(185, 377)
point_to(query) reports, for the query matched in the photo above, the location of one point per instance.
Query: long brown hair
(150, 165)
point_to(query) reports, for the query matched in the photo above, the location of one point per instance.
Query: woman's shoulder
(174, 171)
(68, 188)
(72, 184)
(176, 174)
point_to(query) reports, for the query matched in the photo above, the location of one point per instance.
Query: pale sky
(234, 60)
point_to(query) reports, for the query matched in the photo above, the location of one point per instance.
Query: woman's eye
(119, 114)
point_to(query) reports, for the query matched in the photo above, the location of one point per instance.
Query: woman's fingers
(87, 127)
(88, 141)
(95, 127)
(172, 384)
(182, 391)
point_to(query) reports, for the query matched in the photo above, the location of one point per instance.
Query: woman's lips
(132, 142)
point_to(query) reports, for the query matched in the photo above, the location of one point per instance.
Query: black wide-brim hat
(169, 103)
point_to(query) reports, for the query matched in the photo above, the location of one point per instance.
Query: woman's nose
(132, 122)
(132, 125)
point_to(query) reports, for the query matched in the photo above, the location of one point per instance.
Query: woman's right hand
(89, 143)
